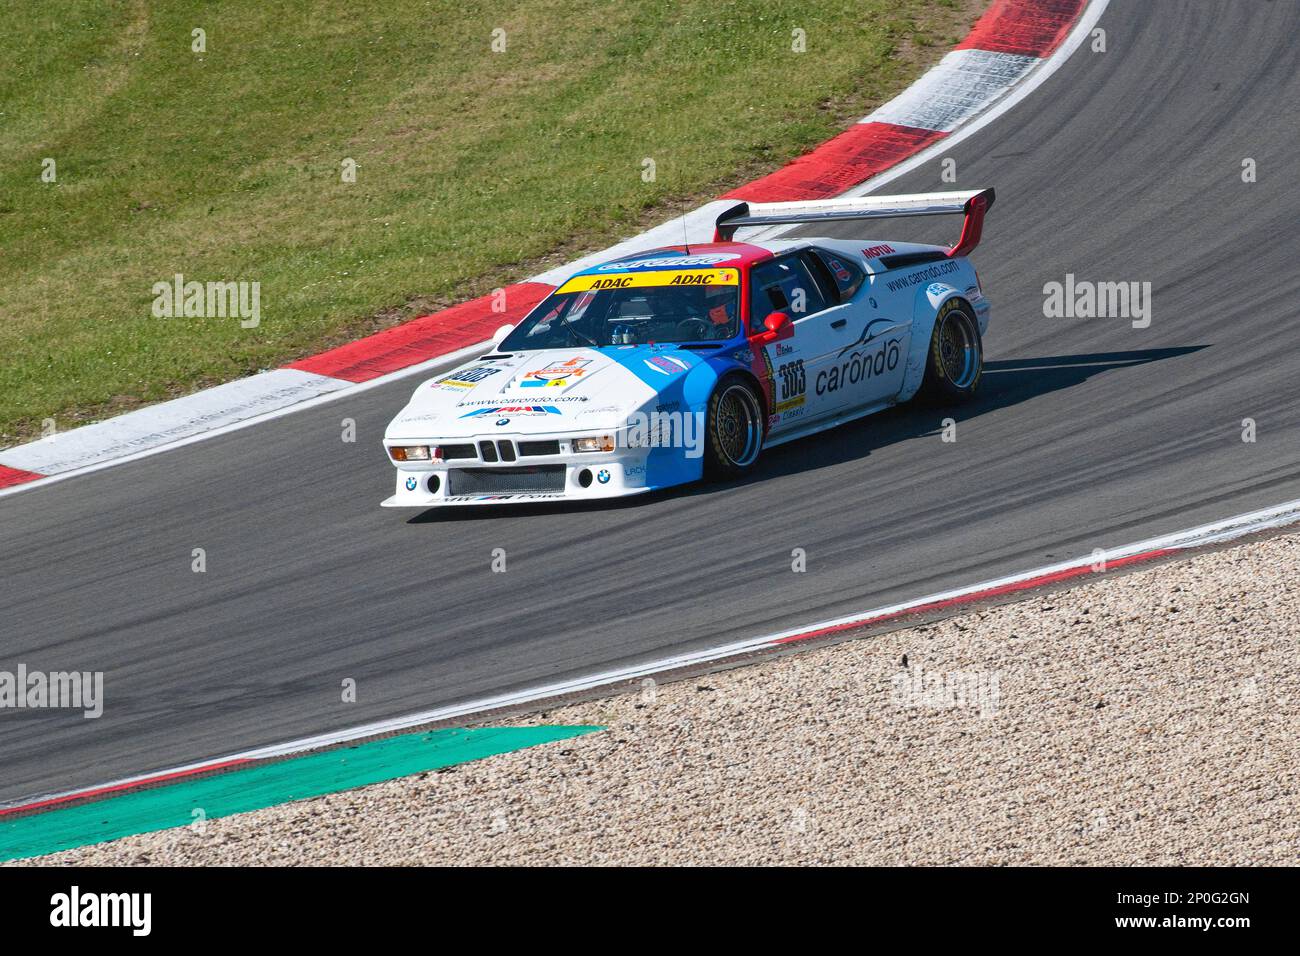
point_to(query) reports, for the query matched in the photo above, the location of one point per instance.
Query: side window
(846, 275)
(783, 285)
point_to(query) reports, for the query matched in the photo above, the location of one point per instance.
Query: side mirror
(778, 328)
(499, 335)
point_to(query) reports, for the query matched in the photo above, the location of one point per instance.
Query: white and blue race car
(677, 363)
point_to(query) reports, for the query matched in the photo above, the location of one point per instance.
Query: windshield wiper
(575, 333)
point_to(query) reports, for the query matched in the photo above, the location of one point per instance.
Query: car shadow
(1006, 383)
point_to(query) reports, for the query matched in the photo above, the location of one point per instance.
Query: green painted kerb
(263, 785)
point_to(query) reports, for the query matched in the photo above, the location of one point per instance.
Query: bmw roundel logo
(602, 476)
(411, 484)
(503, 421)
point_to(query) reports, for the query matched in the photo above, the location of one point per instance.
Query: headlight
(599, 443)
(411, 453)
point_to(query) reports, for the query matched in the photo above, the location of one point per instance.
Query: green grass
(472, 165)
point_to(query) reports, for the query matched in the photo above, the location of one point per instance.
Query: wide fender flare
(687, 396)
(698, 384)
(925, 312)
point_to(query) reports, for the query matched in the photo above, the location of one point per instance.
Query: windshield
(696, 305)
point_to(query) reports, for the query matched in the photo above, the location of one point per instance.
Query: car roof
(704, 255)
(721, 255)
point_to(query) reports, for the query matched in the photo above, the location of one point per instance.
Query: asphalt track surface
(1124, 165)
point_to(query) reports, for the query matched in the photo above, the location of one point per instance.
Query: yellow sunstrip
(635, 280)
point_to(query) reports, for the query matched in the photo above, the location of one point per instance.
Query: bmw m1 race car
(677, 363)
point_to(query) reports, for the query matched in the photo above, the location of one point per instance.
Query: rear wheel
(956, 361)
(734, 429)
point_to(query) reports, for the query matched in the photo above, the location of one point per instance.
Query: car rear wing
(973, 204)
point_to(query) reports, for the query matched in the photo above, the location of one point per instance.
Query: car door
(870, 365)
(788, 284)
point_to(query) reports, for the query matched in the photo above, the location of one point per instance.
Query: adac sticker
(637, 280)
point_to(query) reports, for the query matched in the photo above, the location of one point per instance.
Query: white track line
(1032, 81)
(962, 86)
(1215, 532)
(1212, 533)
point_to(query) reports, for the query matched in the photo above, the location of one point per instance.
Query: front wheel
(734, 430)
(956, 361)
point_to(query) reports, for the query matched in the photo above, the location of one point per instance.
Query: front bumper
(563, 477)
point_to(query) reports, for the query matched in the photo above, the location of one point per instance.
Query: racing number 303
(793, 382)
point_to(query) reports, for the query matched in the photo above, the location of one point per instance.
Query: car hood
(540, 392)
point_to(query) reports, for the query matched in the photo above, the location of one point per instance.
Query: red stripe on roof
(1027, 27)
(746, 252)
(974, 596)
(16, 476)
(426, 337)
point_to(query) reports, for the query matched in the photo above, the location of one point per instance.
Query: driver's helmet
(720, 305)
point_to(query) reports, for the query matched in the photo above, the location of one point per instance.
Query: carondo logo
(668, 262)
(860, 364)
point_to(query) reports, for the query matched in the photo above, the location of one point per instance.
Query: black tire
(955, 364)
(734, 430)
